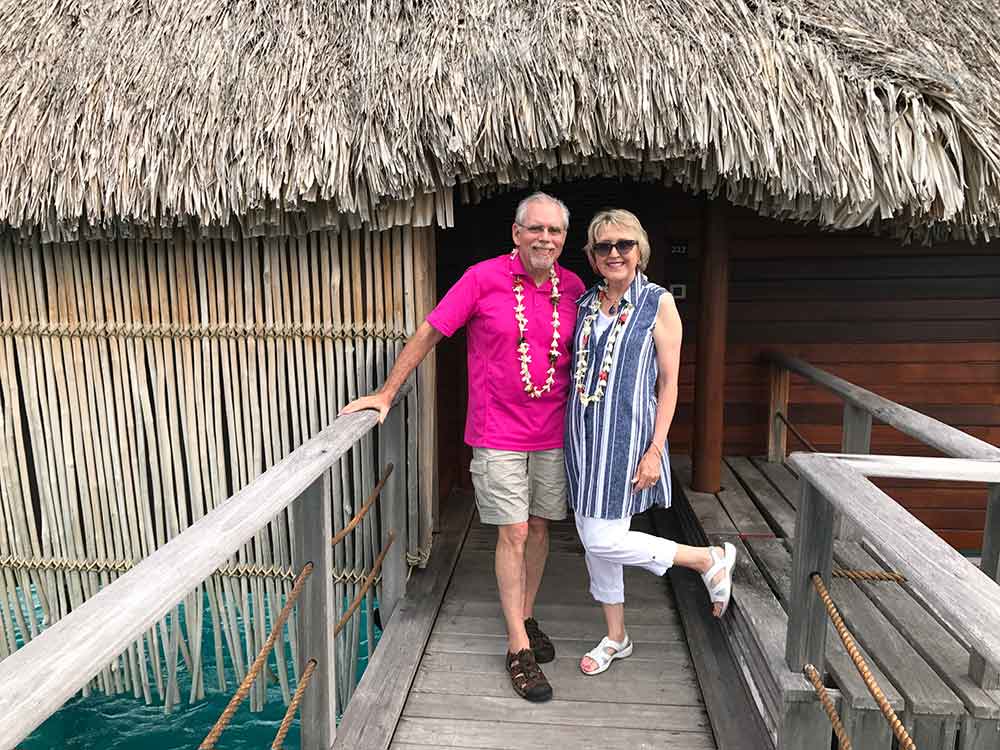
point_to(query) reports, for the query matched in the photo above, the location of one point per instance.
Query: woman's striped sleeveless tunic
(606, 440)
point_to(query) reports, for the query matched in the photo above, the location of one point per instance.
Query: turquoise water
(122, 722)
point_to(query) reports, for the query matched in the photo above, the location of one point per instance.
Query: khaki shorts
(511, 485)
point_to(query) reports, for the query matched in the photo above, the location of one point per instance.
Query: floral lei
(583, 354)
(523, 348)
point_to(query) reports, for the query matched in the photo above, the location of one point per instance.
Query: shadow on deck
(438, 679)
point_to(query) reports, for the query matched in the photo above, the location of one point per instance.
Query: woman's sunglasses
(603, 249)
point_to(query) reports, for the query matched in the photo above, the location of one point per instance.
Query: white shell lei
(583, 354)
(523, 347)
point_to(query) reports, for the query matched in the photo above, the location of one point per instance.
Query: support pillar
(710, 364)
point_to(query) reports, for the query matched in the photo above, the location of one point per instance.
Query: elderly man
(519, 310)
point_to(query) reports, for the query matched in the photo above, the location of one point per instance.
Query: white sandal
(600, 656)
(721, 591)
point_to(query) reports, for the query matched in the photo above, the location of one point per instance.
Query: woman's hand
(648, 472)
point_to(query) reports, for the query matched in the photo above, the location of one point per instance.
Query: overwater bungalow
(219, 223)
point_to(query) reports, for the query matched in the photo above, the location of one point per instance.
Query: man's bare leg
(536, 552)
(510, 570)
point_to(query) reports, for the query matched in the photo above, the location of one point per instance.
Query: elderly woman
(627, 356)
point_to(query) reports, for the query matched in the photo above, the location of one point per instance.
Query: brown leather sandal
(541, 644)
(526, 676)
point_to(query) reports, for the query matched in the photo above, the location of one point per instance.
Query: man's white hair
(522, 207)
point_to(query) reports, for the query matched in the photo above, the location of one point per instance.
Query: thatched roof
(846, 111)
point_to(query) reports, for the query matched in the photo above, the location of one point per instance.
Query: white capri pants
(610, 545)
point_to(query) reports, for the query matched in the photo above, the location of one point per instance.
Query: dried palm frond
(127, 117)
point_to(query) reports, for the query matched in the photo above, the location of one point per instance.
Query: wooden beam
(317, 611)
(777, 434)
(393, 512)
(710, 366)
(981, 672)
(425, 279)
(947, 439)
(813, 553)
(921, 467)
(948, 582)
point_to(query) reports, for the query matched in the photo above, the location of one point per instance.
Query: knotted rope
(868, 575)
(831, 711)
(213, 736)
(376, 491)
(365, 586)
(905, 743)
(293, 707)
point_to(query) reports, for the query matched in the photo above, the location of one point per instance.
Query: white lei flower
(583, 354)
(523, 347)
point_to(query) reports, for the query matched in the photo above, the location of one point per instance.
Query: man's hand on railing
(380, 401)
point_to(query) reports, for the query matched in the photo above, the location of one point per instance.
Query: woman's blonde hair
(618, 217)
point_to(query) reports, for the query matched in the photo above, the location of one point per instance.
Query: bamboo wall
(142, 382)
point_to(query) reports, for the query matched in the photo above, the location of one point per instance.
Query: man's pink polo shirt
(501, 415)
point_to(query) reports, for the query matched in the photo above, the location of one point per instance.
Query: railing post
(777, 433)
(980, 671)
(393, 512)
(813, 553)
(856, 438)
(317, 613)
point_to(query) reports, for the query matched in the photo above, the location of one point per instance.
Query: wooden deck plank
(461, 625)
(635, 614)
(373, 711)
(614, 688)
(735, 722)
(461, 696)
(711, 515)
(741, 509)
(496, 645)
(501, 735)
(579, 713)
(775, 508)
(671, 664)
(783, 478)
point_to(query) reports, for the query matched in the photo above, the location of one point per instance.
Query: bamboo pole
(402, 240)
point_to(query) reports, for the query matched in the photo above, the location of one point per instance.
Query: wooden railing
(953, 587)
(861, 407)
(37, 679)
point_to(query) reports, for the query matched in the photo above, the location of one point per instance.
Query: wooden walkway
(921, 666)
(459, 695)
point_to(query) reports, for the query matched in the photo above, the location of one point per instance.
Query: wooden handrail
(940, 575)
(945, 438)
(39, 677)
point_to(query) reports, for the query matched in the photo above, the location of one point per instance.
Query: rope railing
(239, 570)
(868, 575)
(798, 435)
(293, 706)
(903, 737)
(213, 736)
(827, 702)
(366, 585)
(375, 493)
(174, 331)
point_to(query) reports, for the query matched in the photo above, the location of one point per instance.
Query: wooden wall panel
(919, 325)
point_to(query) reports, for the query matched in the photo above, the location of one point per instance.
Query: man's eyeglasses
(539, 228)
(603, 249)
